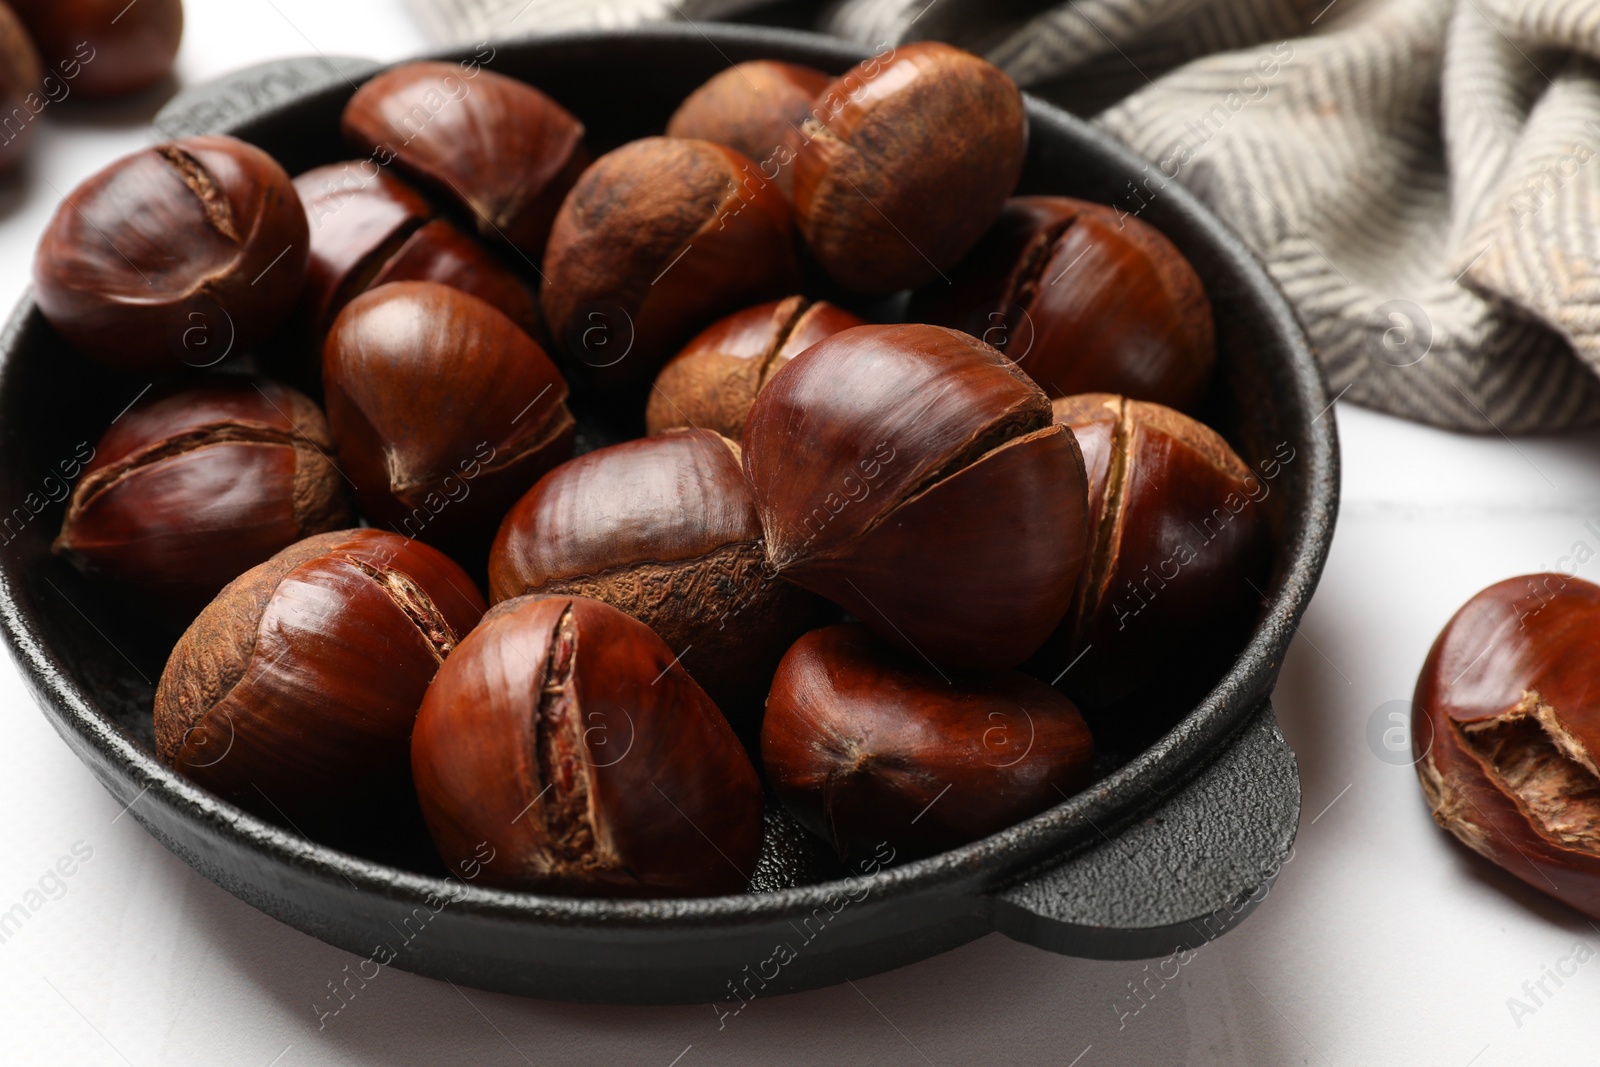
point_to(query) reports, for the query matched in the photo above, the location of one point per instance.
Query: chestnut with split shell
(1086, 300)
(712, 382)
(1505, 729)
(294, 692)
(912, 475)
(192, 486)
(662, 528)
(865, 744)
(565, 735)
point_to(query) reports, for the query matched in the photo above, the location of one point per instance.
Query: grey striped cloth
(1419, 175)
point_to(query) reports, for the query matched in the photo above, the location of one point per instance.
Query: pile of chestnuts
(877, 573)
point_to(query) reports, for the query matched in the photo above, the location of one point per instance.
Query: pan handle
(1186, 872)
(226, 103)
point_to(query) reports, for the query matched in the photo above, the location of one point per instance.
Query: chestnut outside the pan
(1170, 848)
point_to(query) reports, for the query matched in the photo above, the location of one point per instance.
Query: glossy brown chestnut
(294, 692)
(911, 474)
(369, 228)
(1179, 551)
(713, 381)
(101, 48)
(21, 96)
(756, 108)
(190, 488)
(662, 528)
(178, 254)
(657, 239)
(1085, 301)
(907, 159)
(564, 736)
(1506, 732)
(444, 411)
(496, 146)
(866, 744)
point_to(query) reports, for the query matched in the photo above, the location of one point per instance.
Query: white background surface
(1382, 942)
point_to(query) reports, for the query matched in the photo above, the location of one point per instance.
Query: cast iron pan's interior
(94, 660)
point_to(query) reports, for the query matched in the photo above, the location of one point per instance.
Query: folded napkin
(1420, 176)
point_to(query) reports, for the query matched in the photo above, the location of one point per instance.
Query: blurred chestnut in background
(657, 239)
(663, 529)
(496, 146)
(369, 228)
(912, 475)
(1085, 301)
(1505, 729)
(863, 742)
(713, 381)
(1178, 560)
(905, 162)
(105, 48)
(21, 98)
(177, 254)
(190, 488)
(294, 692)
(443, 410)
(756, 108)
(565, 735)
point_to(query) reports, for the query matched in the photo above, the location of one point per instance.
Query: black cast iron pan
(1169, 849)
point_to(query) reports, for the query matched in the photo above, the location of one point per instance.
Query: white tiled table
(1382, 943)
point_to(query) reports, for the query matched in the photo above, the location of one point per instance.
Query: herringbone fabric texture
(1419, 176)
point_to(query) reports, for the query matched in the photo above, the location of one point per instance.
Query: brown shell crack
(199, 180)
(1101, 558)
(415, 602)
(780, 338)
(1543, 768)
(1023, 285)
(559, 754)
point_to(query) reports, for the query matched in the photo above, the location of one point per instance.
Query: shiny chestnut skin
(191, 487)
(369, 228)
(907, 159)
(912, 475)
(564, 736)
(176, 254)
(1085, 301)
(756, 108)
(658, 238)
(498, 147)
(105, 48)
(1506, 732)
(294, 692)
(663, 529)
(714, 379)
(865, 743)
(1179, 551)
(21, 73)
(444, 411)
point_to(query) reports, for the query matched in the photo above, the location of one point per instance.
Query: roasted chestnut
(713, 381)
(756, 108)
(369, 228)
(1506, 732)
(1179, 552)
(906, 160)
(496, 146)
(566, 737)
(444, 411)
(662, 528)
(912, 475)
(103, 48)
(866, 744)
(294, 692)
(1086, 300)
(20, 84)
(657, 239)
(191, 487)
(176, 254)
